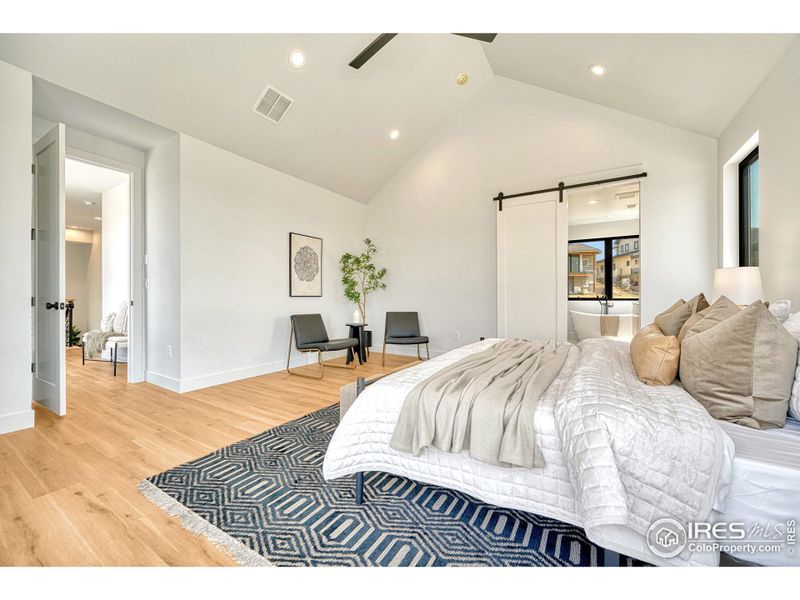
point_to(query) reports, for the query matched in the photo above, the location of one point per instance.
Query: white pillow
(780, 309)
(107, 322)
(792, 325)
(120, 324)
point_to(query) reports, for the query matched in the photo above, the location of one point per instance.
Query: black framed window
(604, 267)
(748, 210)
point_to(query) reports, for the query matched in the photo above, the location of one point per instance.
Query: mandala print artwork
(305, 265)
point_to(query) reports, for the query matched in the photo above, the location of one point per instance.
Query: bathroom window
(586, 274)
(748, 210)
(620, 282)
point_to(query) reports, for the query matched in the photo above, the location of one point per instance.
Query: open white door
(532, 237)
(50, 377)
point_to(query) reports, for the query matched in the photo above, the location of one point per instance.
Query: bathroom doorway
(604, 258)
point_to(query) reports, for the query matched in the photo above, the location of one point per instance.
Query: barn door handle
(51, 306)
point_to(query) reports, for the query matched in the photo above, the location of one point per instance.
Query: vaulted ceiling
(336, 134)
(695, 82)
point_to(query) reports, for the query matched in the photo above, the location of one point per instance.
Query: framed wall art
(305, 265)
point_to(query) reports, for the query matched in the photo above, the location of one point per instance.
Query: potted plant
(360, 277)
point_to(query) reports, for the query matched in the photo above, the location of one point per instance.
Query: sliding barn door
(532, 268)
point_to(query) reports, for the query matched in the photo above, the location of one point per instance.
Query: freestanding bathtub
(592, 325)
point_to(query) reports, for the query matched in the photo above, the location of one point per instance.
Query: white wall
(77, 282)
(162, 227)
(235, 217)
(83, 277)
(435, 223)
(116, 255)
(15, 248)
(774, 112)
(94, 273)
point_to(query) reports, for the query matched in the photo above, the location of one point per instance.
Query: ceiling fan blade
(370, 51)
(481, 37)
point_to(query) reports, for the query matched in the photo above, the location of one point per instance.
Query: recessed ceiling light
(394, 134)
(592, 201)
(598, 70)
(89, 203)
(462, 79)
(98, 218)
(297, 59)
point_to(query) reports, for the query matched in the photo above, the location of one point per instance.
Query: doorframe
(607, 174)
(136, 311)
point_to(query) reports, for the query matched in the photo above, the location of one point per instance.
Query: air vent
(272, 104)
(626, 195)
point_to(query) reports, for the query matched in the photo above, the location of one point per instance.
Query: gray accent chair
(309, 335)
(402, 328)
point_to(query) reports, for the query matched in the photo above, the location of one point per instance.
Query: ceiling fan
(384, 38)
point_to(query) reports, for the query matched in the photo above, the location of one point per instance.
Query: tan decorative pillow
(655, 356)
(671, 320)
(741, 367)
(691, 322)
(718, 312)
(698, 303)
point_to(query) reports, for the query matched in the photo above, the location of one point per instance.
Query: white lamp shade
(741, 285)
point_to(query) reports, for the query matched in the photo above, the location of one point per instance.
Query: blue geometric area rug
(265, 502)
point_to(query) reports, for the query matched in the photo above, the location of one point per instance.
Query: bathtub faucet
(604, 304)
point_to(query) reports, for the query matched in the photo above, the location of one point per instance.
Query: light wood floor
(68, 486)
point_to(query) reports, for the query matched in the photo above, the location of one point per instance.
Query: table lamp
(742, 285)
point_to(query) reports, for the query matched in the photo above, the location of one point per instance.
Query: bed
(765, 482)
(361, 444)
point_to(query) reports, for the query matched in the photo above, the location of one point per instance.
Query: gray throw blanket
(483, 403)
(95, 342)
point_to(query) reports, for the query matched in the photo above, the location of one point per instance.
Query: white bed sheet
(765, 487)
(361, 443)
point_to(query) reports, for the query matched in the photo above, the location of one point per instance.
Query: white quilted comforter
(618, 454)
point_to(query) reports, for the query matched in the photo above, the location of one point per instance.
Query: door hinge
(33, 234)
(131, 302)
(33, 301)
(33, 169)
(33, 367)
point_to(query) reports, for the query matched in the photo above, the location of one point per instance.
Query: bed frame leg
(611, 558)
(360, 487)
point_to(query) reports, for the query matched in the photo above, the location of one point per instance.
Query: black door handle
(51, 306)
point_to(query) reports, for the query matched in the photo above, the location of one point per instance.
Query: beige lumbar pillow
(655, 356)
(740, 366)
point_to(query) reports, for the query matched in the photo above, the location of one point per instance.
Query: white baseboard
(198, 382)
(169, 383)
(191, 384)
(16, 421)
(203, 381)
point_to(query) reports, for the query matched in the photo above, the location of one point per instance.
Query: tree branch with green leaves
(360, 276)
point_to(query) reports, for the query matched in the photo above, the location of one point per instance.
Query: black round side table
(357, 331)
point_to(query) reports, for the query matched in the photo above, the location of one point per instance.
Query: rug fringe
(191, 521)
